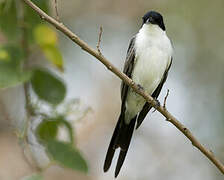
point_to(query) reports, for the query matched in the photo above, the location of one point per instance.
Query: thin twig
(99, 40)
(128, 81)
(5, 114)
(56, 10)
(28, 156)
(165, 99)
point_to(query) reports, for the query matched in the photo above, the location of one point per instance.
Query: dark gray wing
(128, 68)
(146, 108)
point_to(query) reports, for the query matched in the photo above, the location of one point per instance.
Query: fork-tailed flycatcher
(148, 61)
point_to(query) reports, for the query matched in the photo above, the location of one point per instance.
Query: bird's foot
(157, 104)
(140, 88)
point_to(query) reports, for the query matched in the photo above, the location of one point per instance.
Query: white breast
(153, 56)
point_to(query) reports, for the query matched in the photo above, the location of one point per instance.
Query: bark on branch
(169, 117)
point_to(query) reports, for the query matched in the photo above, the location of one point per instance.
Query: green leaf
(11, 72)
(44, 35)
(48, 87)
(47, 130)
(34, 177)
(12, 54)
(4, 55)
(9, 20)
(66, 155)
(47, 39)
(10, 76)
(53, 54)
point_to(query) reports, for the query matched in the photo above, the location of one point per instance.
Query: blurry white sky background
(158, 150)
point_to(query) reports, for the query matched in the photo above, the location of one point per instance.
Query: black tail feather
(112, 147)
(120, 162)
(121, 138)
(125, 139)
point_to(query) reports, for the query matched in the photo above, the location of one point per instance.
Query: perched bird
(148, 61)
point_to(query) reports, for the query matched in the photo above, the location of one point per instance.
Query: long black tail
(121, 138)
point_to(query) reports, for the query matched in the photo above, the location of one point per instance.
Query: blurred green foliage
(46, 38)
(34, 177)
(66, 155)
(24, 33)
(48, 87)
(11, 74)
(48, 129)
(8, 21)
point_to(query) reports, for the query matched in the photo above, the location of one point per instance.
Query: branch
(165, 99)
(99, 40)
(129, 82)
(27, 154)
(56, 9)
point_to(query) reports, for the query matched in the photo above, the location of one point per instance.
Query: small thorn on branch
(110, 67)
(42, 17)
(165, 99)
(212, 153)
(99, 41)
(168, 119)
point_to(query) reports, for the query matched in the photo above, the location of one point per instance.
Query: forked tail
(121, 138)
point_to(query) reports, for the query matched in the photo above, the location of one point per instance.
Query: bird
(148, 60)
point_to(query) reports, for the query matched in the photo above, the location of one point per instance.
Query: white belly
(153, 56)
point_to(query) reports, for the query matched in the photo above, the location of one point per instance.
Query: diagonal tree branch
(128, 81)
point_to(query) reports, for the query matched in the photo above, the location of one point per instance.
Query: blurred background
(158, 150)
